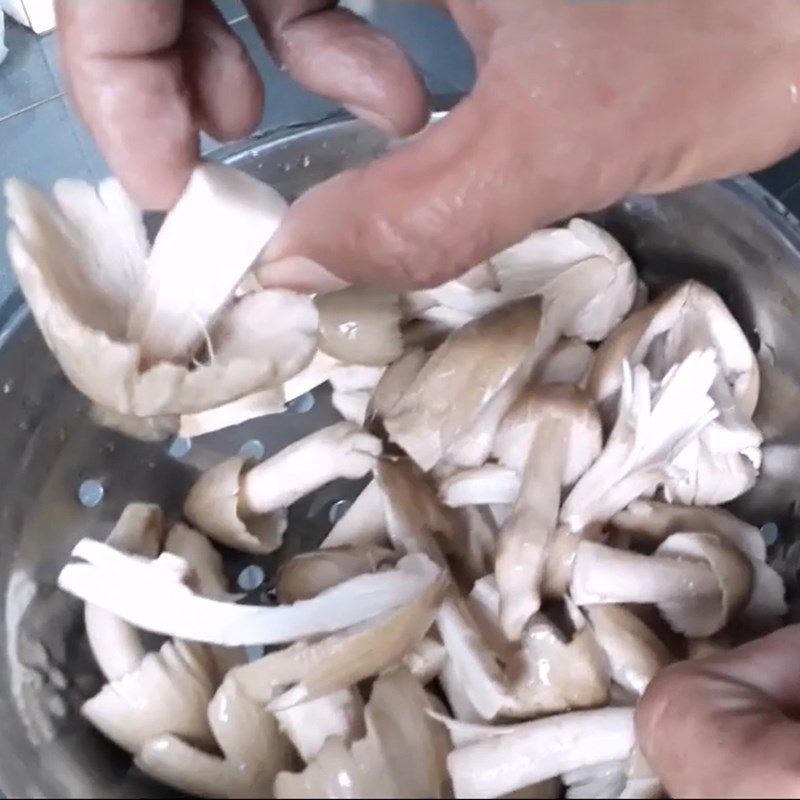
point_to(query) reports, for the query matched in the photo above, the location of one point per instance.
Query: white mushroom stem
(116, 645)
(152, 595)
(363, 524)
(426, 660)
(651, 428)
(502, 764)
(635, 654)
(252, 406)
(339, 451)
(216, 231)
(487, 485)
(697, 581)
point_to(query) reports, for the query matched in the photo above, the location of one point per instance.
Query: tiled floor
(41, 139)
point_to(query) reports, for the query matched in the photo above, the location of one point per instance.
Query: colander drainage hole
(769, 533)
(90, 493)
(252, 449)
(250, 578)
(302, 404)
(338, 510)
(179, 447)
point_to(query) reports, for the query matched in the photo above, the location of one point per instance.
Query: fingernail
(298, 273)
(373, 118)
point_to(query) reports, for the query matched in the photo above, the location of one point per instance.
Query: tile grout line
(31, 107)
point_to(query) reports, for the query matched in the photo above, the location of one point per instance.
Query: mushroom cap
(702, 615)
(80, 259)
(395, 382)
(688, 317)
(543, 405)
(461, 378)
(213, 506)
(360, 326)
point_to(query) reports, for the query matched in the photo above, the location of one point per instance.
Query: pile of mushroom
(538, 536)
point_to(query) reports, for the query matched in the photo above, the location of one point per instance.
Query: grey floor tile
(25, 77)
(40, 146)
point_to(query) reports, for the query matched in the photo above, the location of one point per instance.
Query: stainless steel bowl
(56, 464)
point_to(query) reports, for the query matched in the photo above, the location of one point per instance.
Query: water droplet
(252, 449)
(250, 578)
(338, 510)
(179, 447)
(769, 533)
(90, 493)
(302, 404)
(8, 386)
(306, 161)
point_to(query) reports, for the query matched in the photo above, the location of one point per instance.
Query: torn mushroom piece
(116, 645)
(402, 755)
(499, 764)
(697, 581)
(487, 485)
(360, 326)
(635, 654)
(127, 340)
(308, 574)
(253, 751)
(245, 507)
(169, 692)
(550, 437)
(153, 595)
(650, 522)
(309, 670)
(724, 460)
(653, 425)
(363, 524)
(490, 357)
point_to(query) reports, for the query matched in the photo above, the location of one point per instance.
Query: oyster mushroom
(697, 581)
(315, 669)
(635, 654)
(308, 725)
(363, 524)
(486, 358)
(253, 751)
(116, 645)
(394, 382)
(570, 362)
(352, 406)
(308, 574)
(487, 485)
(83, 264)
(153, 596)
(252, 406)
(650, 522)
(550, 437)
(426, 659)
(723, 462)
(244, 508)
(650, 430)
(169, 692)
(402, 755)
(360, 326)
(502, 763)
(596, 781)
(206, 563)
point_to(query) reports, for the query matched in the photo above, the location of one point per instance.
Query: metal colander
(64, 478)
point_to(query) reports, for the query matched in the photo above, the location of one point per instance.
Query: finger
(299, 274)
(125, 74)
(334, 53)
(443, 202)
(725, 726)
(228, 91)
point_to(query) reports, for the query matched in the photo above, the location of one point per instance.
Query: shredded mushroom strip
(523, 435)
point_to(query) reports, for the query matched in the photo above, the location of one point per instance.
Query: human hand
(148, 75)
(727, 726)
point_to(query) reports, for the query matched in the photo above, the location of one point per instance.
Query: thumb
(726, 726)
(438, 204)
